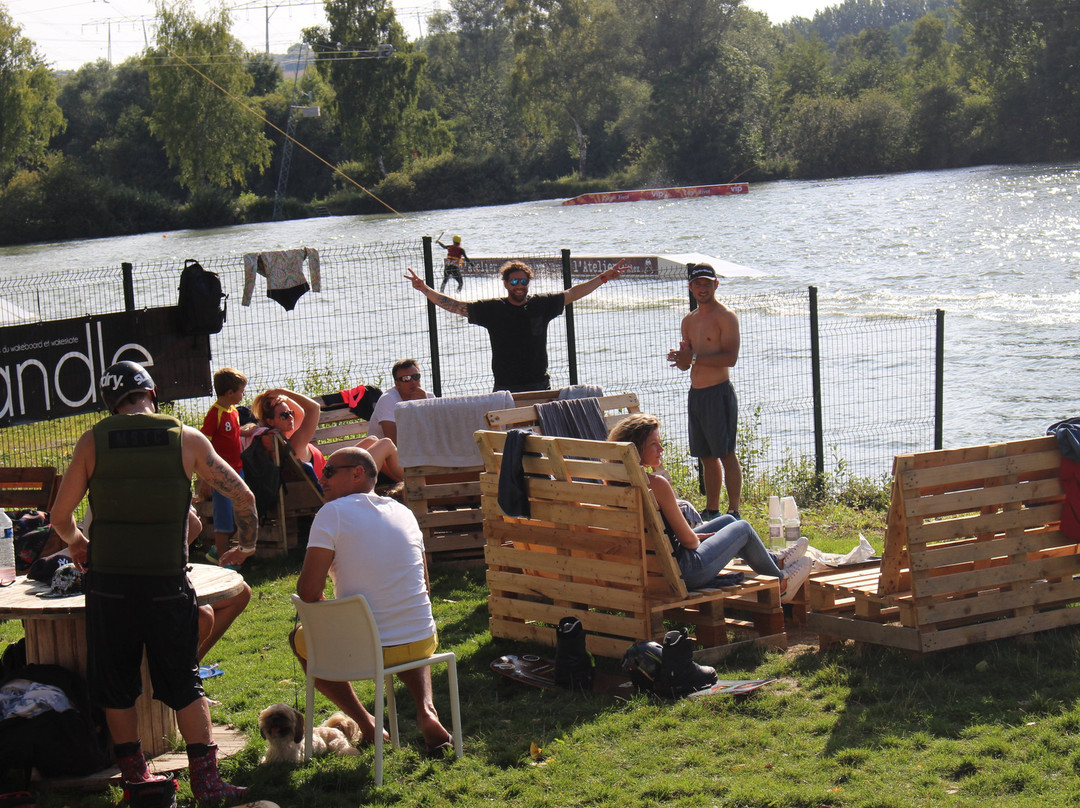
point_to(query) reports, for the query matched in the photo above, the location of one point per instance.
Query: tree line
(507, 100)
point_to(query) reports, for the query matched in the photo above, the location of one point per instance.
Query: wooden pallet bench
(594, 547)
(973, 552)
(446, 502)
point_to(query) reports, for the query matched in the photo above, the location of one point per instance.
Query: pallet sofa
(973, 552)
(593, 546)
(446, 498)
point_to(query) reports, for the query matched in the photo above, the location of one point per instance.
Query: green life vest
(139, 495)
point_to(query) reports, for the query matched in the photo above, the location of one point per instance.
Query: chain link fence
(877, 375)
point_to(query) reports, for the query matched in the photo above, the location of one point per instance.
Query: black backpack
(202, 303)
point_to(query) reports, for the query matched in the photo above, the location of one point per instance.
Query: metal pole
(939, 381)
(700, 470)
(129, 286)
(815, 360)
(571, 334)
(433, 325)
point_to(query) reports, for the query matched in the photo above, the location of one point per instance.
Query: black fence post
(693, 306)
(939, 380)
(815, 361)
(433, 325)
(571, 333)
(129, 286)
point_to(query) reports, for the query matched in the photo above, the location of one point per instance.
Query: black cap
(701, 271)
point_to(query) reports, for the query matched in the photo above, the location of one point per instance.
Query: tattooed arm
(450, 304)
(200, 457)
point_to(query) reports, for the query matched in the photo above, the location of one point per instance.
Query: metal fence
(851, 391)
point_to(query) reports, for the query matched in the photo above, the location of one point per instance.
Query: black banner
(49, 370)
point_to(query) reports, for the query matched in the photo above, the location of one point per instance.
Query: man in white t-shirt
(406, 388)
(372, 546)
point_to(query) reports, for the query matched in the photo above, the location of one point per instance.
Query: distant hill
(294, 62)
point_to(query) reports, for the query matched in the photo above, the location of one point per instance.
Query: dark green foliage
(504, 101)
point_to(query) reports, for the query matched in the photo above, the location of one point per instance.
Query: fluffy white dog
(283, 729)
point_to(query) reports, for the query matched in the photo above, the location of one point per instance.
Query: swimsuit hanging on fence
(284, 272)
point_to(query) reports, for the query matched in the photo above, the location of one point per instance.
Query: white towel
(581, 391)
(439, 431)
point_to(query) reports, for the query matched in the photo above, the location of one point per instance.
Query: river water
(996, 247)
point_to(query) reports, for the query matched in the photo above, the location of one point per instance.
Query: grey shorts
(714, 417)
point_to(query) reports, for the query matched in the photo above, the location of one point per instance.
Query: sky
(70, 33)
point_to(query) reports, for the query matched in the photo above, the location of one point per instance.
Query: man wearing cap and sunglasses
(382, 423)
(709, 349)
(517, 324)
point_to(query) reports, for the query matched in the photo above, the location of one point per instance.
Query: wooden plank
(830, 625)
(973, 499)
(973, 524)
(999, 629)
(624, 625)
(616, 572)
(28, 487)
(996, 576)
(894, 555)
(1036, 543)
(614, 598)
(974, 471)
(998, 601)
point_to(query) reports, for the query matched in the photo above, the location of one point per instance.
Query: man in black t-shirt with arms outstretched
(517, 324)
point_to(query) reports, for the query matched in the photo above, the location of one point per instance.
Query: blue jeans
(730, 537)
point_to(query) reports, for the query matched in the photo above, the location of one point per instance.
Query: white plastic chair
(343, 645)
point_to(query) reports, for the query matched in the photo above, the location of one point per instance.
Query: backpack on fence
(202, 303)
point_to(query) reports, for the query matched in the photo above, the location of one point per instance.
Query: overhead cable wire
(264, 119)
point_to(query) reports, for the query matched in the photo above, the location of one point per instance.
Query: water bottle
(776, 524)
(791, 519)
(7, 549)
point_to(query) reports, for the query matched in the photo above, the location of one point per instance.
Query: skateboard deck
(538, 671)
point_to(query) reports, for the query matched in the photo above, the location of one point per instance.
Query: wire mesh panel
(877, 373)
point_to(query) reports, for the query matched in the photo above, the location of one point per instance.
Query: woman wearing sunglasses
(296, 417)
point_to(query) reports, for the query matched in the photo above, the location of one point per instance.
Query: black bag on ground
(71, 743)
(202, 302)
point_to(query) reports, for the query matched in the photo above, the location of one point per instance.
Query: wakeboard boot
(680, 675)
(573, 663)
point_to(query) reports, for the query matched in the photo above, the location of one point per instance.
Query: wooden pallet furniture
(615, 408)
(446, 503)
(338, 426)
(973, 552)
(594, 547)
(26, 487)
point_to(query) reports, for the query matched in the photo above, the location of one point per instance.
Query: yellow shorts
(392, 654)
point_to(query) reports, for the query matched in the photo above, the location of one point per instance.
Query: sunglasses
(413, 377)
(329, 471)
(286, 414)
(519, 281)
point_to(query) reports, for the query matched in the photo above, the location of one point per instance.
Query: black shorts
(714, 416)
(124, 614)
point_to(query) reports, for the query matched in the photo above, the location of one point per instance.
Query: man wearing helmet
(137, 465)
(455, 257)
(517, 324)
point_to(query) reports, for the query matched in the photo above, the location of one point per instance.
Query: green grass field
(991, 725)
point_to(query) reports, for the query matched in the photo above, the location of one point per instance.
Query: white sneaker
(796, 576)
(792, 553)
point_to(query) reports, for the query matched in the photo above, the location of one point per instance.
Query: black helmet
(121, 380)
(642, 661)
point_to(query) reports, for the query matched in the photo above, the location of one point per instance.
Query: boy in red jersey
(222, 427)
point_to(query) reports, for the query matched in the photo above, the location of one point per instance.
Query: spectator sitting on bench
(406, 388)
(702, 552)
(297, 417)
